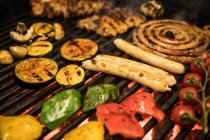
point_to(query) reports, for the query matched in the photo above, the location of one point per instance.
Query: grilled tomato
(192, 80)
(183, 115)
(189, 95)
(196, 67)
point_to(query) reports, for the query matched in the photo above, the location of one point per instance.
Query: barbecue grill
(17, 98)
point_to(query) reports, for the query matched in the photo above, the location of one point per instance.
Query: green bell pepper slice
(99, 94)
(60, 107)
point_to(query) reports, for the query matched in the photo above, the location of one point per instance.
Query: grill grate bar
(9, 93)
(18, 100)
(166, 106)
(12, 21)
(202, 135)
(183, 133)
(163, 132)
(39, 95)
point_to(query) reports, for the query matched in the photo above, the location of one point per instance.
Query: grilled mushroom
(6, 57)
(18, 51)
(22, 37)
(21, 28)
(59, 31)
(152, 8)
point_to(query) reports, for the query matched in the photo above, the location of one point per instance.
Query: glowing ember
(84, 122)
(29, 109)
(52, 133)
(88, 80)
(175, 132)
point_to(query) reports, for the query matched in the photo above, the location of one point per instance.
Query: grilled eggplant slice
(42, 28)
(36, 70)
(71, 75)
(79, 49)
(40, 48)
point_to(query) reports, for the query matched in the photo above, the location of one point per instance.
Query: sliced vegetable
(144, 104)
(39, 48)
(6, 57)
(94, 130)
(36, 70)
(99, 94)
(79, 49)
(60, 107)
(70, 75)
(42, 28)
(24, 127)
(119, 121)
(59, 31)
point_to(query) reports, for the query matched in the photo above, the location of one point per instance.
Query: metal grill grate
(19, 99)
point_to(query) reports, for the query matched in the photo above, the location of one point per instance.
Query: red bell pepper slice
(119, 121)
(144, 104)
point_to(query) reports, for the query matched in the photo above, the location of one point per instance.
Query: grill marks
(171, 39)
(117, 21)
(79, 49)
(70, 75)
(36, 70)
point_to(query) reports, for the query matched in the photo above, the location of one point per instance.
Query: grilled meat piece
(86, 7)
(117, 21)
(106, 29)
(55, 8)
(50, 9)
(152, 8)
(90, 23)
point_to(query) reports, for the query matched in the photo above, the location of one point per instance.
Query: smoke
(188, 10)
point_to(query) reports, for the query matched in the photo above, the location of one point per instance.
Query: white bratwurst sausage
(141, 77)
(156, 72)
(155, 60)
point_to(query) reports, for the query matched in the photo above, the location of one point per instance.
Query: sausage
(163, 63)
(168, 78)
(139, 76)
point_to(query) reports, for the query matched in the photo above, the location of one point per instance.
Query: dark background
(194, 11)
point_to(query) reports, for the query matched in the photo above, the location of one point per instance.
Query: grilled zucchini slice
(71, 75)
(42, 28)
(79, 49)
(39, 49)
(36, 70)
